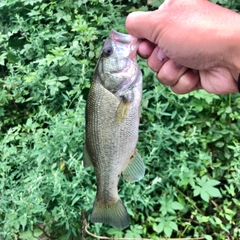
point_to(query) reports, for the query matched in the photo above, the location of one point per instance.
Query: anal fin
(135, 170)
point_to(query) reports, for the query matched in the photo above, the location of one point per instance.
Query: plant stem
(112, 238)
(190, 202)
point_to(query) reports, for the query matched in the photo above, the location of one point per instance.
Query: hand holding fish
(190, 45)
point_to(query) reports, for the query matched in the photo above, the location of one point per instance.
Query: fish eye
(107, 51)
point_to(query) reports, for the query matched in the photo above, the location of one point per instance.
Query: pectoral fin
(86, 158)
(135, 169)
(122, 111)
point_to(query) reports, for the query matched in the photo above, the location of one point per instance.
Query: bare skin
(190, 45)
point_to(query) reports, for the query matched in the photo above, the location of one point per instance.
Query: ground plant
(190, 143)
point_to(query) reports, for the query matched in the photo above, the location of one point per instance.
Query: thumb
(144, 25)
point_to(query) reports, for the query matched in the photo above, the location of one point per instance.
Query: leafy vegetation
(190, 143)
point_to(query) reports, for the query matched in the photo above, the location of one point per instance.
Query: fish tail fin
(112, 214)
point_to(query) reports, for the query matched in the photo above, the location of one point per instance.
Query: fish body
(112, 120)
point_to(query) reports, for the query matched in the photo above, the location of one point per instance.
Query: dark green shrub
(190, 143)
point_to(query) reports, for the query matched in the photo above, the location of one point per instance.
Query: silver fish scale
(110, 144)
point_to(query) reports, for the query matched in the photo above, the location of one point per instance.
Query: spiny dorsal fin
(135, 170)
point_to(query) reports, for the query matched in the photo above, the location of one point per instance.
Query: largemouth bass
(112, 120)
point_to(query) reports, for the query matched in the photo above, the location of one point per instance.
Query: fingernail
(161, 55)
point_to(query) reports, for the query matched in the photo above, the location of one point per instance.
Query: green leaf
(204, 195)
(197, 190)
(28, 235)
(213, 192)
(206, 188)
(91, 54)
(208, 237)
(168, 230)
(158, 228)
(117, 233)
(173, 225)
(3, 56)
(177, 206)
(212, 182)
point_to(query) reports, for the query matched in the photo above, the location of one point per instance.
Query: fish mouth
(122, 37)
(126, 39)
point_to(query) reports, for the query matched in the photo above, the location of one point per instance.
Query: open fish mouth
(122, 37)
(126, 39)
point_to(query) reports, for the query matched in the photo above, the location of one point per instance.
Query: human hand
(190, 45)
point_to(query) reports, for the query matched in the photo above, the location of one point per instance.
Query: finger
(170, 73)
(188, 82)
(154, 61)
(144, 24)
(161, 55)
(146, 48)
(134, 23)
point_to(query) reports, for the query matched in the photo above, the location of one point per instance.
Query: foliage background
(190, 143)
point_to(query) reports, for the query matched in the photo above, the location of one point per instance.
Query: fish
(112, 122)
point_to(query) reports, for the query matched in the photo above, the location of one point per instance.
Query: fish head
(117, 67)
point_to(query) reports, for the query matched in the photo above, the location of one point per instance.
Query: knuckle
(166, 77)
